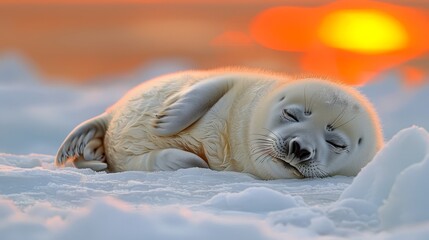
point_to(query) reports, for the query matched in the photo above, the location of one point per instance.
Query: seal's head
(313, 128)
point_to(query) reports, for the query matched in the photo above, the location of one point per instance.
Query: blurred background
(64, 61)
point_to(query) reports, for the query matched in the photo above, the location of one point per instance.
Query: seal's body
(265, 124)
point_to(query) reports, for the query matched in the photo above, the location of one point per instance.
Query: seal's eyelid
(290, 115)
(336, 144)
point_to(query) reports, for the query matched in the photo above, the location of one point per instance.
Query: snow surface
(387, 200)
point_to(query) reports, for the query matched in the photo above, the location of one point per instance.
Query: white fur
(211, 119)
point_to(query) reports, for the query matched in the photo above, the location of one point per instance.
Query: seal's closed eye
(288, 115)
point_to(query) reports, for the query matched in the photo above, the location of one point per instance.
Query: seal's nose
(303, 152)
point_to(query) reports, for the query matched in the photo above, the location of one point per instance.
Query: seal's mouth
(292, 168)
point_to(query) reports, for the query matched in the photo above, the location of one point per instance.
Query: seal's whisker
(260, 134)
(258, 159)
(310, 105)
(275, 135)
(338, 118)
(258, 143)
(266, 158)
(264, 155)
(256, 151)
(305, 100)
(321, 165)
(264, 139)
(321, 173)
(255, 146)
(346, 122)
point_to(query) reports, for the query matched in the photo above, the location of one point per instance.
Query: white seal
(271, 126)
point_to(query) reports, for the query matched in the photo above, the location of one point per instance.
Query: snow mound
(395, 182)
(387, 200)
(116, 220)
(108, 218)
(254, 199)
(409, 194)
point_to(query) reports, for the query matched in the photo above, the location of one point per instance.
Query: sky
(81, 41)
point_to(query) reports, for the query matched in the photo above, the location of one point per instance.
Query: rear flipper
(84, 146)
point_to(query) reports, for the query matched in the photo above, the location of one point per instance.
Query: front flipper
(184, 108)
(169, 159)
(84, 145)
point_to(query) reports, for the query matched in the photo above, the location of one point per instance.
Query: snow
(255, 199)
(387, 200)
(376, 180)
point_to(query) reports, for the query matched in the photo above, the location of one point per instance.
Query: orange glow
(414, 76)
(285, 28)
(335, 45)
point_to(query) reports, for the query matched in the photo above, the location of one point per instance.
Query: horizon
(88, 40)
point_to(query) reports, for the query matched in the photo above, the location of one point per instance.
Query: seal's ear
(184, 108)
(84, 145)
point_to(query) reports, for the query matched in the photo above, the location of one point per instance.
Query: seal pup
(269, 125)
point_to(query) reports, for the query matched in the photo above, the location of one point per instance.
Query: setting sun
(365, 31)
